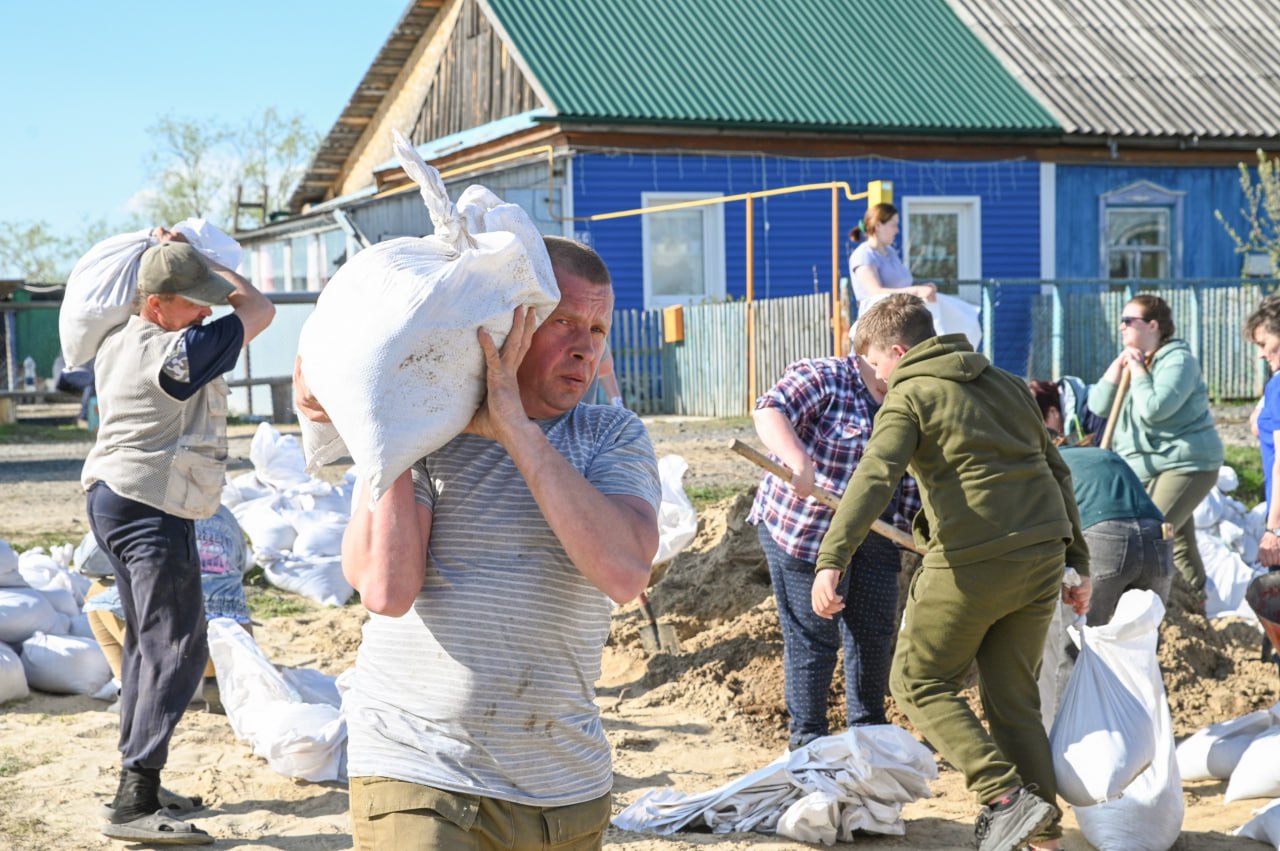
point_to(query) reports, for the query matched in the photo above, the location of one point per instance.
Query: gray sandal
(171, 803)
(159, 828)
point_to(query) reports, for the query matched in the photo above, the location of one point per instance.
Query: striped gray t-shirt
(487, 685)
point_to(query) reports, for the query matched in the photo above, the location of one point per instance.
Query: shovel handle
(823, 496)
(1110, 430)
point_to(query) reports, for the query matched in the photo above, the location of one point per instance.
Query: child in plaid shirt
(817, 420)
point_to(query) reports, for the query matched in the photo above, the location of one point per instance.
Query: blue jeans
(809, 642)
(157, 569)
(1126, 554)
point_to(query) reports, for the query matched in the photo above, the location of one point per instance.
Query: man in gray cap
(156, 468)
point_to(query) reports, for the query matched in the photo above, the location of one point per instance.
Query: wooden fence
(1072, 328)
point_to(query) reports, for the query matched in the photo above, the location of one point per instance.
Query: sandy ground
(691, 721)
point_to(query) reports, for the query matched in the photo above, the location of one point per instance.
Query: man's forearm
(384, 551)
(611, 540)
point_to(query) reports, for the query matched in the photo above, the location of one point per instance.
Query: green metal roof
(896, 66)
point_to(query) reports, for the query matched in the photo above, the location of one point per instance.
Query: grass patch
(13, 763)
(37, 433)
(1247, 462)
(704, 495)
(48, 540)
(267, 603)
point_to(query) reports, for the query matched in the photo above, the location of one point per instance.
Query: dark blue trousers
(157, 567)
(810, 642)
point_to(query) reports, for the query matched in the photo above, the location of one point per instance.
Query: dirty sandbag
(390, 350)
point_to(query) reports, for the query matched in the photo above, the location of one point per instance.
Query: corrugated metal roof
(1142, 68)
(895, 66)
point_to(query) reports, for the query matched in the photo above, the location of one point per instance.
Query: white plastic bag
(64, 664)
(1149, 815)
(1215, 751)
(1101, 738)
(13, 678)
(677, 518)
(390, 350)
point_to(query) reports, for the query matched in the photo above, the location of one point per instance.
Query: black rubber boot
(138, 795)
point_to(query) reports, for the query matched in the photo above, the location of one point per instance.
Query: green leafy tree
(31, 251)
(1261, 211)
(200, 164)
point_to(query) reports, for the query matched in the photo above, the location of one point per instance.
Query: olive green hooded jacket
(992, 484)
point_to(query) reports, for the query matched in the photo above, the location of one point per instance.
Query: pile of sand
(717, 595)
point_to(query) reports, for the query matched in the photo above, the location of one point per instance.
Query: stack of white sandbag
(390, 350)
(1245, 752)
(45, 640)
(292, 720)
(1227, 534)
(100, 292)
(294, 521)
(858, 780)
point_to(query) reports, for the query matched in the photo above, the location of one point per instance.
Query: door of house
(942, 239)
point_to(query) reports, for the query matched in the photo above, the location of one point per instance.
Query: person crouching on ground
(998, 518)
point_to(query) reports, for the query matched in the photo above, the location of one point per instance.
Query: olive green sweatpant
(996, 613)
(1177, 493)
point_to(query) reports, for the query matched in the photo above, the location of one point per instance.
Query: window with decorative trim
(1141, 232)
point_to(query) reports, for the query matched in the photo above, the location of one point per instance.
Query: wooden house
(1023, 140)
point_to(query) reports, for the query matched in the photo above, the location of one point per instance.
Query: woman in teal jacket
(1164, 429)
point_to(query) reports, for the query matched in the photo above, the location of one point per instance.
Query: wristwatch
(1273, 530)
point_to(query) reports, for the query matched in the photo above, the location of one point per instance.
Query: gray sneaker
(1010, 823)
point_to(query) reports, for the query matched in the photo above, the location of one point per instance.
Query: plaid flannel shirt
(832, 411)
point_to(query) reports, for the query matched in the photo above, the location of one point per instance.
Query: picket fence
(1073, 330)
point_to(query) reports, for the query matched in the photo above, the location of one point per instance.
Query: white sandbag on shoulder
(99, 294)
(390, 350)
(1215, 751)
(211, 242)
(23, 613)
(13, 677)
(1148, 817)
(1257, 774)
(64, 664)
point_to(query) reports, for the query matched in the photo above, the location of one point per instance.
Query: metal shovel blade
(656, 637)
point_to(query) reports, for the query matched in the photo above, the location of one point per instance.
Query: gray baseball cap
(176, 268)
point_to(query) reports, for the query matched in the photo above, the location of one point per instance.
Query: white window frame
(968, 212)
(712, 246)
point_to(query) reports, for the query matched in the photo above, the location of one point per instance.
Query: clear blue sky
(81, 81)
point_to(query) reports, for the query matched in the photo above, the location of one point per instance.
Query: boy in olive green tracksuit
(998, 521)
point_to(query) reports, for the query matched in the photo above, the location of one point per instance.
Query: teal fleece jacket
(1164, 423)
(991, 483)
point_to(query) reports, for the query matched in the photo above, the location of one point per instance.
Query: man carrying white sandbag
(488, 568)
(156, 468)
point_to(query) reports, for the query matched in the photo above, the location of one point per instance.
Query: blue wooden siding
(1207, 250)
(793, 232)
